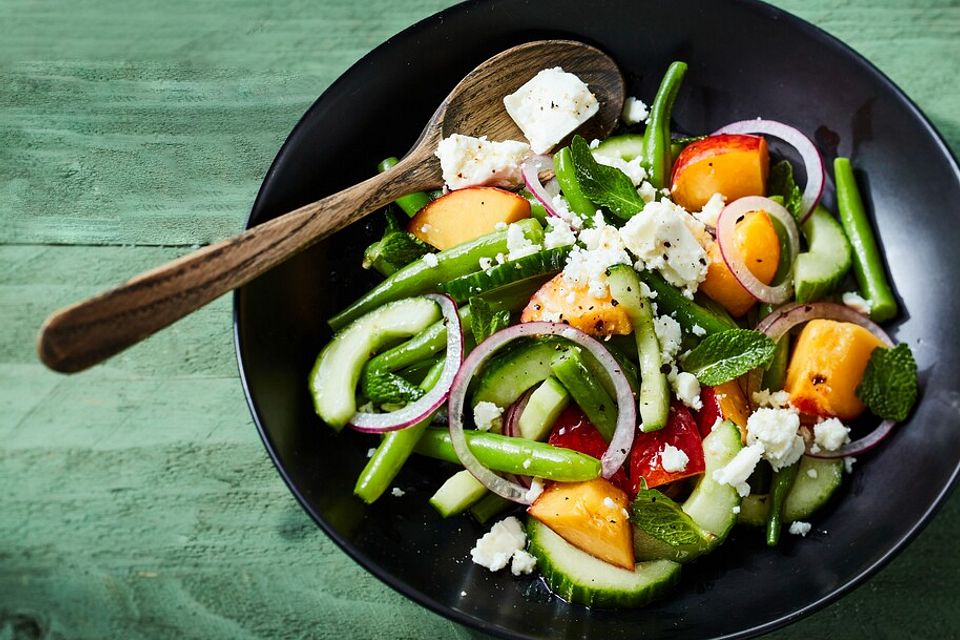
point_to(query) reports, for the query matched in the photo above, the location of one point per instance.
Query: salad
(628, 346)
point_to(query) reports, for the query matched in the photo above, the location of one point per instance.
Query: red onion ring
(812, 161)
(612, 459)
(511, 417)
(531, 168)
(726, 239)
(780, 322)
(418, 411)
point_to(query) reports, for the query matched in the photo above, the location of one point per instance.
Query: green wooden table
(136, 500)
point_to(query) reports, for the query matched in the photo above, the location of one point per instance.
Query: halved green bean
(422, 276)
(425, 344)
(657, 152)
(867, 263)
(513, 455)
(412, 202)
(688, 313)
(393, 451)
(567, 179)
(572, 372)
(779, 489)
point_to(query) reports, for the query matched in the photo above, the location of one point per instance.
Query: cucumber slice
(663, 531)
(333, 380)
(541, 263)
(509, 374)
(626, 147)
(807, 495)
(654, 396)
(828, 260)
(587, 392)
(515, 295)
(457, 494)
(578, 577)
(711, 504)
(542, 409)
(490, 506)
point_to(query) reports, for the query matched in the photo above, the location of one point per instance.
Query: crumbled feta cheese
(711, 210)
(371, 451)
(831, 434)
(857, 302)
(497, 547)
(634, 111)
(486, 415)
(397, 492)
(775, 400)
(562, 208)
(559, 233)
(518, 244)
(665, 238)
(673, 459)
(647, 192)
(467, 161)
(698, 331)
(594, 143)
(632, 168)
(587, 265)
(536, 488)
(486, 263)
(736, 509)
(523, 563)
(798, 528)
(500, 226)
(687, 388)
(848, 463)
(550, 106)
(431, 259)
(669, 337)
(775, 430)
(736, 472)
(501, 258)
(646, 291)
(463, 593)
(812, 473)
(609, 503)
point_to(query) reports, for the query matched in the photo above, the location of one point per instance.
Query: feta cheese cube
(775, 430)
(486, 415)
(711, 210)
(518, 244)
(550, 106)
(559, 233)
(798, 528)
(632, 169)
(634, 111)
(687, 388)
(497, 547)
(523, 563)
(468, 161)
(857, 302)
(397, 492)
(736, 472)
(831, 434)
(775, 400)
(673, 459)
(669, 337)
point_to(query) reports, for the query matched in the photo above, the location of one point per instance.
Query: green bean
(412, 202)
(590, 396)
(657, 152)
(425, 344)
(688, 313)
(513, 455)
(393, 451)
(867, 263)
(779, 489)
(489, 506)
(537, 211)
(567, 179)
(421, 277)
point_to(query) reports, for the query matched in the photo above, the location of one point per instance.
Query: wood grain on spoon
(84, 334)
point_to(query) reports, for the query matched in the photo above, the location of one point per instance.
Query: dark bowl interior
(746, 60)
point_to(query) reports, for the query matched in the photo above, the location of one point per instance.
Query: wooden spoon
(92, 330)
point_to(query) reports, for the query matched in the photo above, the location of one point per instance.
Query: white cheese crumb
(486, 415)
(775, 400)
(463, 593)
(687, 388)
(523, 563)
(831, 434)
(397, 492)
(798, 528)
(562, 208)
(518, 244)
(634, 111)
(371, 451)
(550, 106)
(632, 168)
(559, 233)
(736, 472)
(594, 143)
(536, 488)
(500, 226)
(698, 331)
(609, 503)
(587, 264)
(673, 459)
(669, 337)
(711, 210)
(858, 303)
(812, 473)
(647, 192)
(486, 263)
(431, 259)
(776, 431)
(496, 548)
(467, 161)
(848, 463)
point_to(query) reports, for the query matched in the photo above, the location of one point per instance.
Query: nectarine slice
(466, 214)
(559, 301)
(732, 165)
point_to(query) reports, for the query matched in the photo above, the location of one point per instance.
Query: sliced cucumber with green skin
(490, 506)
(806, 496)
(515, 295)
(333, 380)
(578, 577)
(821, 269)
(509, 374)
(572, 372)
(711, 504)
(421, 277)
(547, 262)
(457, 494)
(543, 407)
(654, 396)
(663, 531)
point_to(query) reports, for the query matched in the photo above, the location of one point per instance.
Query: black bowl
(746, 60)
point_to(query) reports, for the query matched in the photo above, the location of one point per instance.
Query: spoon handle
(86, 333)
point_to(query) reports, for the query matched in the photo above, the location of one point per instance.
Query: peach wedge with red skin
(559, 301)
(733, 165)
(467, 214)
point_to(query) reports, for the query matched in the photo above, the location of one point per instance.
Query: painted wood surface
(136, 501)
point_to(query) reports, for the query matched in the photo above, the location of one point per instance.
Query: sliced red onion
(418, 411)
(727, 240)
(612, 459)
(780, 322)
(531, 168)
(511, 417)
(813, 163)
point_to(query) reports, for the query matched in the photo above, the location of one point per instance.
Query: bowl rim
(425, 600)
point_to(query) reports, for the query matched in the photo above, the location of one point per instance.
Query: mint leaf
(889, 385)
(660, 517)
(486, 319)
(780, 182)
(395, 250)
(729, 354)
(383, 387)
(604, 186)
